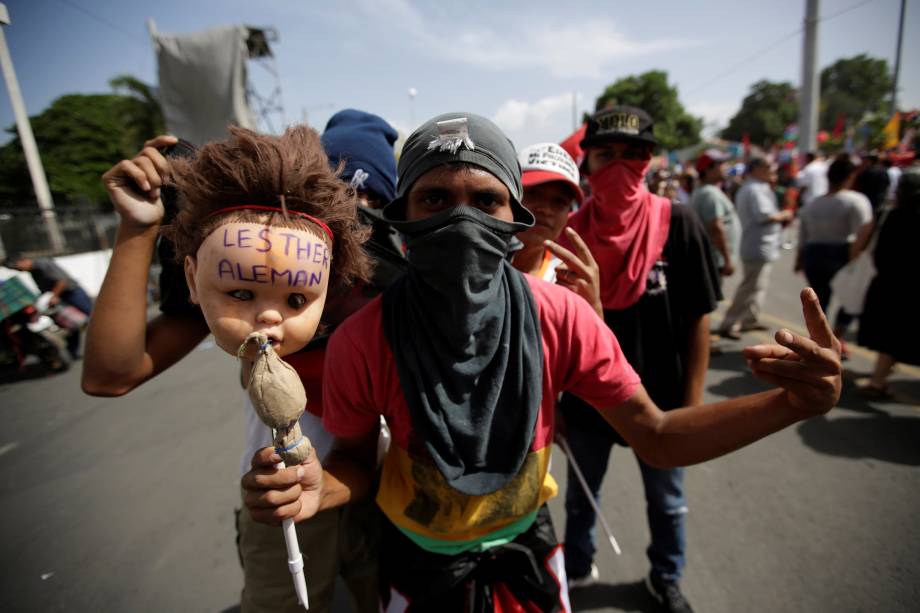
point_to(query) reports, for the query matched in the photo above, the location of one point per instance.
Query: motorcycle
(28, 328)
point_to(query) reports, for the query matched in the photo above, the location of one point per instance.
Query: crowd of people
(839, 207)
(477, 303)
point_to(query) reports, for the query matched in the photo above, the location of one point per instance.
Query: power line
(746, 60)
(773, 45)
(103, 21)
(845, 11)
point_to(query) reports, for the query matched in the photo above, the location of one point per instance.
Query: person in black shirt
(873, 181)
(659, 282)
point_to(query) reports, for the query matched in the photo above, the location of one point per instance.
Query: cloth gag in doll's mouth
(279, 399)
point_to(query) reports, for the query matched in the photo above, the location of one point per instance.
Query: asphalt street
(128, 504)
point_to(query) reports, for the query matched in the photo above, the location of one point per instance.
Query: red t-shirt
(580, 355)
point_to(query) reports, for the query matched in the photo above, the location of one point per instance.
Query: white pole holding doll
(279, 399)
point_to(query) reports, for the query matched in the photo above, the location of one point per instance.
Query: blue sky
(516, 62)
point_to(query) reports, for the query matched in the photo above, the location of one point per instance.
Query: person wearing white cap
(551, 184)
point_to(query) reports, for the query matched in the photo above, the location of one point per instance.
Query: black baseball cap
(619, 123)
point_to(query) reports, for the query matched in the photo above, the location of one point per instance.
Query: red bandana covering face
(625, 227)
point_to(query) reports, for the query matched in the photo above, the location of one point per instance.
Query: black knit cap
(619, 123)
(447, 139)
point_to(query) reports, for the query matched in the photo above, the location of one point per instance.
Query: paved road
(127, 504)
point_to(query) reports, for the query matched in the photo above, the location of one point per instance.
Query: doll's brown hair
(254, 169)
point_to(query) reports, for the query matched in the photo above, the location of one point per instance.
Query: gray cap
(464, 138)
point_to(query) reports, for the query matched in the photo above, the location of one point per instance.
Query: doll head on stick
(265, 228)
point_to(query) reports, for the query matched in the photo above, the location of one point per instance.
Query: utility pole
(897, 61)
(810, 90)
(29, 148)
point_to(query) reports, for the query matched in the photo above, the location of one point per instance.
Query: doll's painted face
(250, 277)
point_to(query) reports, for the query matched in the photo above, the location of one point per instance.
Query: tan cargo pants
(341, 541)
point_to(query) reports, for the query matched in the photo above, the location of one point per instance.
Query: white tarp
(88, 269)
(203, 82)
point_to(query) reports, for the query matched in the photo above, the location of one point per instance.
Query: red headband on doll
(272, 209)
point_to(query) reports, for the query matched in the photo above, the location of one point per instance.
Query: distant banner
(892, 132)
(203, 82)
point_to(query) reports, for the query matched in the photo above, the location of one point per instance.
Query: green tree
(675, 128)
(79, 137)
(853, 87)
(764, 114)
(144, 118)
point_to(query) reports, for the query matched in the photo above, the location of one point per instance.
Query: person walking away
(827, 229)
(889, 323)
(873, 181)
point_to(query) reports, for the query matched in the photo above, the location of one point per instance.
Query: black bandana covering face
(464, 331)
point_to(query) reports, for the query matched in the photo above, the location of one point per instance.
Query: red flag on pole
(572, 144)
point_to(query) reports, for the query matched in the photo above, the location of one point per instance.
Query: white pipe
(295, 558)
(564, 445)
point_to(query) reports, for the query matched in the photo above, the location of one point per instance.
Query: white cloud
(564, 50)
(517, 114)
(547, 119)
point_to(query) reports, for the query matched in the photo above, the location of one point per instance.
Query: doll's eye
(297, 301)
(241, 294)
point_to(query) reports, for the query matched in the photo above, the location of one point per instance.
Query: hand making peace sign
(579, 272)
(808, 369)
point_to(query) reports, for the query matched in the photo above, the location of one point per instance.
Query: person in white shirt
(812, 179)
(828, 227)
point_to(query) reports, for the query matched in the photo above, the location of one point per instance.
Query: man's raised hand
(134, 185)
(808, 369)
